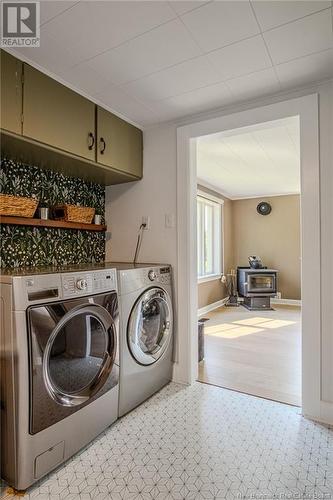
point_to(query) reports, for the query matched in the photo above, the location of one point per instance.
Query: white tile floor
(200, 442)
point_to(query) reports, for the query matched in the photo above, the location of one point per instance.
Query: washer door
(150, 326)
(79, 354)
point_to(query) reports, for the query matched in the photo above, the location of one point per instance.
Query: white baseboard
(287, 302)
(211, 307)
(219, 303)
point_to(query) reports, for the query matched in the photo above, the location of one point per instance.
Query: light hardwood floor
(256, 352)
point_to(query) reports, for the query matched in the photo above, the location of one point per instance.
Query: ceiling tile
(162, 47)
(241, 58)
(50, 9)
(260, 161)
(181, 78)
(306, 69)
(196, 101)
(220, 23)
(180, 7)
(93, 27)
(300, 38)
(254, 85)
(85, 78)
(118, 101)
(274, 13)
(50, 55)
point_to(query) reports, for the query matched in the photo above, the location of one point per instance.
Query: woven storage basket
(17, 205)
(74, 213)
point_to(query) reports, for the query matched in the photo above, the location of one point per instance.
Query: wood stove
(257, 286)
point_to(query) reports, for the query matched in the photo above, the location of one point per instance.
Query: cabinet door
(11, 93)
(57, 116)
(119, 143)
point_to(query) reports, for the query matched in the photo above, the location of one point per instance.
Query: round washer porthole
(264, 208)
(74, 373)
(150, 326)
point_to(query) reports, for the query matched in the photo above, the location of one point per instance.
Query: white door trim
(307, 109)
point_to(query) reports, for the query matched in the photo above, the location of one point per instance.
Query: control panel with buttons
(104, 280)
(134, 279)
(76, 284)
(159, 275)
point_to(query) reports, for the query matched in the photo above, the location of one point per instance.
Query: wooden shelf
(27, 221)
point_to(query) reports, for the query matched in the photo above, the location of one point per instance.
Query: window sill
(210, 277)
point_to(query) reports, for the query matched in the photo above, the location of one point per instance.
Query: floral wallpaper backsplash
(42, 246)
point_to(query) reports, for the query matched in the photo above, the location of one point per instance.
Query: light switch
(170, 220)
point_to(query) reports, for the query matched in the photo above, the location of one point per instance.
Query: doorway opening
(249, 259)
(186, 354)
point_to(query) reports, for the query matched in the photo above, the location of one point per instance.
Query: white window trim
(210, 197)
(220, 201)
(210, 277)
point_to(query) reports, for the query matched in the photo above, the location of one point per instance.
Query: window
(208, 237)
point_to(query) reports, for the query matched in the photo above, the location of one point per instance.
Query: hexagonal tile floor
(200, 442)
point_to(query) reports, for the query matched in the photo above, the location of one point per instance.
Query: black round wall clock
(264, 208)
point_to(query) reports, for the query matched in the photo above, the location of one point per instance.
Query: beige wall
(275, 238)
(213, 291)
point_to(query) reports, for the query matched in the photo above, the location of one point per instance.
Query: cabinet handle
(103, 145)
(91, 138)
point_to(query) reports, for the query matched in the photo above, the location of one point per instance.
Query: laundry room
(165, 249)
(94, 337)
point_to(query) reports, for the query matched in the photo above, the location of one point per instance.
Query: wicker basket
(17, 206)
(74, 213)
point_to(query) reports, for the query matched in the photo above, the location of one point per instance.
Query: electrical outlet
(146, 220)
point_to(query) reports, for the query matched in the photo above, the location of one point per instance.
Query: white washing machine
(59, 368)
(146, 331)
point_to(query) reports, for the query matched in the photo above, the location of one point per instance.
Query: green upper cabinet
(46, 123)
(55, 115)
(11, 93)
(119, 144)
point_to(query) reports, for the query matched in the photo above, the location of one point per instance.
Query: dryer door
(79, 354)
(150, 326)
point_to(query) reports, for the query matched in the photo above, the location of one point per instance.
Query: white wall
(155, 195)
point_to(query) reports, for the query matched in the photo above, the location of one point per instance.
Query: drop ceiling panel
(85, 77)
(198, 100)
(274, 13)
(50, 55)
(170, 82)
(117, 100)
(180, 7)
(254, 85)
(92, 27)
(300, 38)
(50, 9)
(261, 160)
(306, 69)
(221, 23)
(161, 47)
(241, 58)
